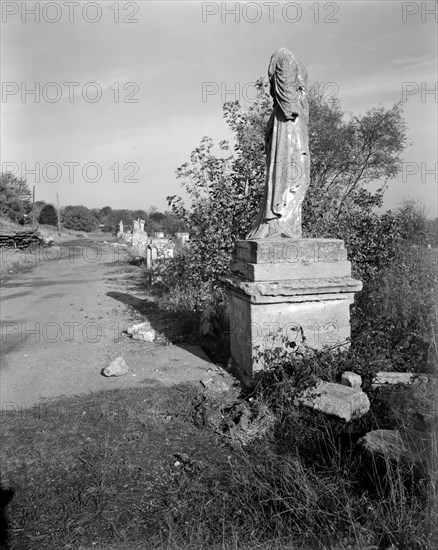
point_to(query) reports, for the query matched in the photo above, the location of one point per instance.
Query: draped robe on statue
(287, 150)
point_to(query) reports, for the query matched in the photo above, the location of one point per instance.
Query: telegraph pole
(33, 208)
(59, 215)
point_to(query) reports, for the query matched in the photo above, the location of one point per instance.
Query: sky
(124, 91)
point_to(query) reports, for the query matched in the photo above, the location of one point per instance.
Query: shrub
(14, 197)
(393, 318)
(78, 218)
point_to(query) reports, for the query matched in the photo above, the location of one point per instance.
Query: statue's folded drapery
(287, 150)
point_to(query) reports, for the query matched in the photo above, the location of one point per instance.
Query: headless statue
(287, 151)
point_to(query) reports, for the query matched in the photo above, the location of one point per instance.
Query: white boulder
(118, 367)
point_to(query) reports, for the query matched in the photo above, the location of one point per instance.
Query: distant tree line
(16, 206)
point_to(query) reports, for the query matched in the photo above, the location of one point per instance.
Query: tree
(48, 215)
(125, 216)
(413, 222)
(15, 197)
(39, 205)
(347, 153)
(106, 210)
(79, 218)
(139, 214)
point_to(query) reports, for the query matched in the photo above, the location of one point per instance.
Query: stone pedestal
(297, 288)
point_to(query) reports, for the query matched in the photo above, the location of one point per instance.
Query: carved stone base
(297, 288)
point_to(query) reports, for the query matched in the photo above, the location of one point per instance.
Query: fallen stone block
(337, 400)
(145, 335)
(117, 368)
(398, 378)
(351, 379)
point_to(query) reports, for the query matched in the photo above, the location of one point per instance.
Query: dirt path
(63, 322)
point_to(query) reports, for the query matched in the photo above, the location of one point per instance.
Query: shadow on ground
(175, 327)
(6, 495)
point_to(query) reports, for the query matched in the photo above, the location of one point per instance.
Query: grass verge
(132, 469)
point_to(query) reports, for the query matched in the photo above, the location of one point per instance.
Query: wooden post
(33, 208)
(59, 216)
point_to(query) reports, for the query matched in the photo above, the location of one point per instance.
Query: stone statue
(287, 151)
(142, 222)
(121, 226)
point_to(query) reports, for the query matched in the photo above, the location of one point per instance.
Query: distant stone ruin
(153, 249)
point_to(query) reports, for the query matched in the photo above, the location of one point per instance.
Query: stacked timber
(20, 239)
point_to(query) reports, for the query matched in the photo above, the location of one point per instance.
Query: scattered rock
(351, 379)
(337, 400)
(117, 368)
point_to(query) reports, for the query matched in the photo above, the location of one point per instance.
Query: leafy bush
(79, 218)
(394, 317)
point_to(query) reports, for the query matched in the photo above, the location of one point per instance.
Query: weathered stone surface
(337, 400)
(322, 322)
(290, 251)
(351, 379)
(118, 367)
(300, 289)
(290, 271)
